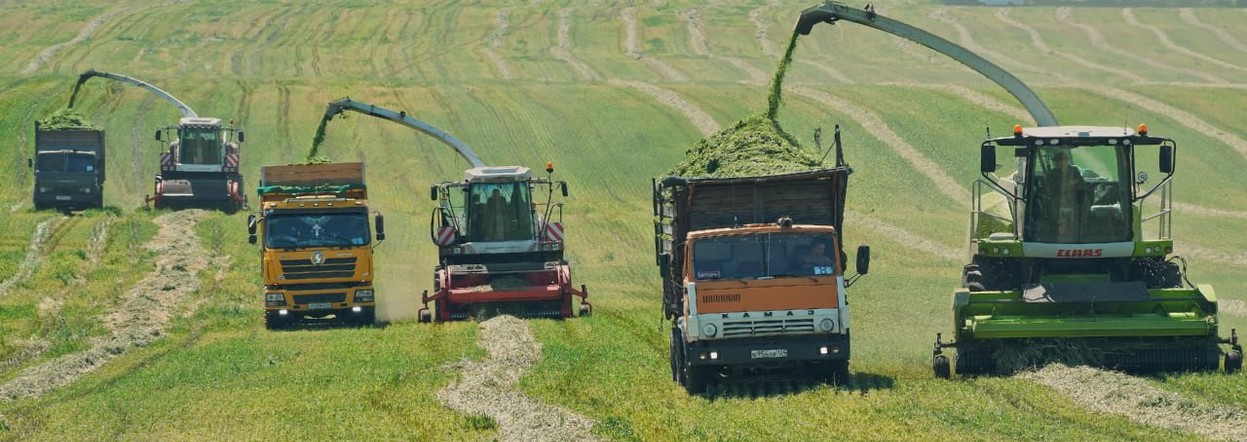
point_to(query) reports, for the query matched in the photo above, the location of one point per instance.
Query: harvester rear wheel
(943, 369)
(1233, 361)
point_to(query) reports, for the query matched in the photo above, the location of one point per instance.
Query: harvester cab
(200, 166)
(1072, 252)
(500, 240)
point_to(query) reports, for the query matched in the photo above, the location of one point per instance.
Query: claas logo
(1079, 253)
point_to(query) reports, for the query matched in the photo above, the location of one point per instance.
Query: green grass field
(273, 65)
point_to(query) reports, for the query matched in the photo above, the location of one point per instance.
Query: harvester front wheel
(943, 369)
(1233, 361)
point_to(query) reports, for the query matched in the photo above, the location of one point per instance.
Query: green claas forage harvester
(1077, 263)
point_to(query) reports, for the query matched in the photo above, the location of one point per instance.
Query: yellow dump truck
(316, 243)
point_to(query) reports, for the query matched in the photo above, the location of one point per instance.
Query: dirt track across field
(141, 316)
(488, 388)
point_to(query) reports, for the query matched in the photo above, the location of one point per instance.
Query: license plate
(767, 354)
(62, 197)
(320, 306)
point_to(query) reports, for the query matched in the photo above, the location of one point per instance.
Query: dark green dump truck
(69, 168)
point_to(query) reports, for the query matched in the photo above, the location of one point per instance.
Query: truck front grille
(322, 297)
(296, 269)
(746, 327)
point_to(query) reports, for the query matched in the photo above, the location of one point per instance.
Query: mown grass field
(273, 65)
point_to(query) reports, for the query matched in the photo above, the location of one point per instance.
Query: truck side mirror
(380, 222)
(1166, 159)
(564, 186)
(863, 259)
(30, 163)
(987, 159)
(242, 137)
(251, 224)
(433, 193)
(158, 135)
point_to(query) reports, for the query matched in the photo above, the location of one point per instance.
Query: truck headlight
(274, 299)
(826, 324)
(709, 329)
(363, 295)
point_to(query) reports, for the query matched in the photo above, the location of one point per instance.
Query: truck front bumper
(322, 302)
(769, 350)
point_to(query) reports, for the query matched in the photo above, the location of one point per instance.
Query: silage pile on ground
(488, 388)
(756, 145)
(67, 119)
(1111, 392)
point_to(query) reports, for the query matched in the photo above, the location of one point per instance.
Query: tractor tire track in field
(47, 53)
(1188, 250)
(563, 50)
(904, 237)
(35, 252)
(1131, 397)
(632, 47)
(1188, 16)
(488, 388)
(702, 47)
(1233, 307)
(700, 119)
(495, 40)
(1065, 15)
(1128, 14)
(1039, 43)
(1207, 211)
(874, 124)
(142, 315)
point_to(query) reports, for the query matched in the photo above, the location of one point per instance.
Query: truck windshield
(500, 212)
(199, 145)
(66, 162)
(763, 255)
(316, 230)
(1078, 195)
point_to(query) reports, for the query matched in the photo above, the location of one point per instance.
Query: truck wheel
(367, 318)
(675, 346)
(943, 370)
(273, 321)
(695, 379)
(838, 373)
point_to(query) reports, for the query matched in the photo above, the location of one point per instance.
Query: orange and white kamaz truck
(753, 276)
(316, 243)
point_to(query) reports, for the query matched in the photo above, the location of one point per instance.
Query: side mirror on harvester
(242, 137)
(157, 134)
(863, 259)
(988, 159)
(564, 186)
(1166, 159)
(380, 222)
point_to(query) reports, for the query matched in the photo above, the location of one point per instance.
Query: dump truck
(316, 243)
(1072, 257)
(499, 236)
(753, 275)
(200, 165)
(69, 168)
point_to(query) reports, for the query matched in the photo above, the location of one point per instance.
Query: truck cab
(69, 169)
(316, 244)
